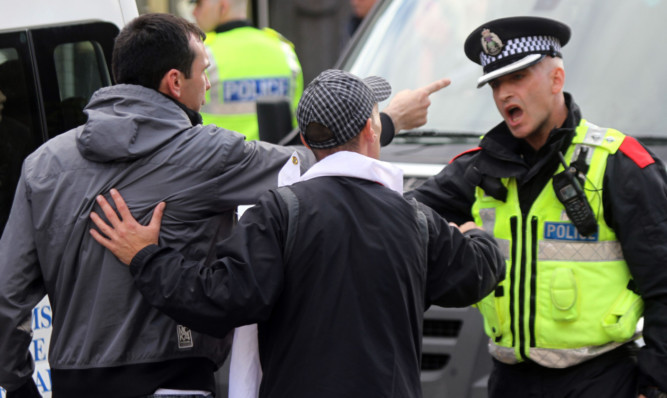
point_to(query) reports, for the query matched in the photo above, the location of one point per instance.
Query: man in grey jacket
(145, 137)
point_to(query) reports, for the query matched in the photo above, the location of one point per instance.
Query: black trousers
(611, 375)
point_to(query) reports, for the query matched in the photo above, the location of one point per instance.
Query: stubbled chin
(517, 131)
(512, 123)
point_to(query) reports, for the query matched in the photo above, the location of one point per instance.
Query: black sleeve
(28, 390)
(448, 192)
(388, 130)
(462, 268)
(635, 205)
(238, 288)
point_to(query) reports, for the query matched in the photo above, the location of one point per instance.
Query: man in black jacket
(580, 211)
(337, 269)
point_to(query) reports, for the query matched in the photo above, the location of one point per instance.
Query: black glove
(649, 392)
(28, 390)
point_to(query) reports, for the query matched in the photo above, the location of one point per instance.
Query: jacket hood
(127, 122)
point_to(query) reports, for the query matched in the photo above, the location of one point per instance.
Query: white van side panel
(21, 14)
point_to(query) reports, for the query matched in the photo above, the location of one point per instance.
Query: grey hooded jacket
(143, 144)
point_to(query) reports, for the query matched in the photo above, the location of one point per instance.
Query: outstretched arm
(125, 237)
(409, 108)
(465, 263)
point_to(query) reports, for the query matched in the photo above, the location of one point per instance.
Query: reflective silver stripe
(504, 246)
(556, 250)
(503, 354)
(488, 217)
(594, 134)
(555, 358)
(594, 137)
(577, 149)
(234, 108)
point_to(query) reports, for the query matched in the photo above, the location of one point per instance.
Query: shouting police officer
(580, 211)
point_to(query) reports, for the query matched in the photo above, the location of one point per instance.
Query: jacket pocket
(620, 322)
(563, 290)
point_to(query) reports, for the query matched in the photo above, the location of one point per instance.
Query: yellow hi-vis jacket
(247, 64)
(565, 297)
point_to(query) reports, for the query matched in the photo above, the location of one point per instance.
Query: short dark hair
(150, 46)
(316, 132)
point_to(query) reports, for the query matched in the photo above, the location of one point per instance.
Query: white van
(53, 56)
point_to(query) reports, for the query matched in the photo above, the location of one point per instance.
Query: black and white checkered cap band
(522, 45)
(342, 102)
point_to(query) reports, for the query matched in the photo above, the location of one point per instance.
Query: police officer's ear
(223, 8)
(171, 83)
(557, 75)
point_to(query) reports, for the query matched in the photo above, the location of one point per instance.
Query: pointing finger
(437, 85)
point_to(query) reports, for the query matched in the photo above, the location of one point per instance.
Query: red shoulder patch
(464, 152)
(635, 151)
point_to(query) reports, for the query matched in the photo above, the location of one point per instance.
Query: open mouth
(514, 113)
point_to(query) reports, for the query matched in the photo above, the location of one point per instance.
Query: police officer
(246, 64)
(580, 211)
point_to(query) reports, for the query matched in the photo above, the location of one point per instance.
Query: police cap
(505, 45)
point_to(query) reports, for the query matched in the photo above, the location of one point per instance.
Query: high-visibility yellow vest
(246, 64)
(565, 297)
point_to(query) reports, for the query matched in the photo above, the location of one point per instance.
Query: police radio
(571, 195)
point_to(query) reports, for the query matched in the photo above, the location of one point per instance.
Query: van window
(76, 57)
(81, 70)
(18, 137)
(47, 76)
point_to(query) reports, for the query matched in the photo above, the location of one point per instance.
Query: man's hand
(126, 237)
(409, 108)
(651, 392)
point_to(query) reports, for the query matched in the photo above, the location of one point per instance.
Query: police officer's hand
(125, 237)
(466, 226)
(409, 108)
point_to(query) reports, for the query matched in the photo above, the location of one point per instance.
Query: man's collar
(352, 164)
(573, 113)
(194, 116)
(227, 26)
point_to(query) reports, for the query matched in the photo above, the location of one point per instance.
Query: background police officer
(246, 64)
(583, 235)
